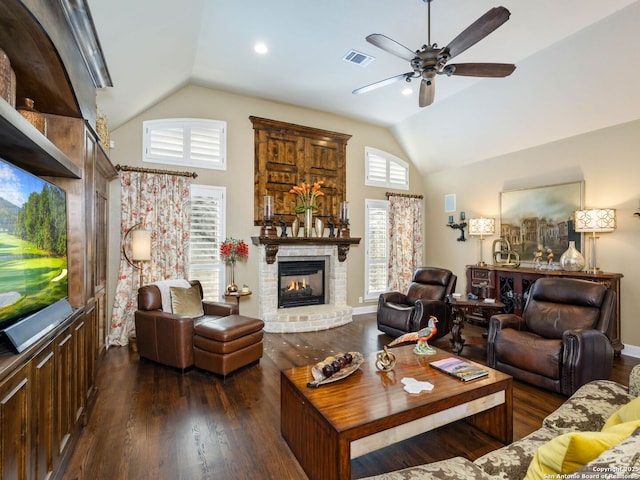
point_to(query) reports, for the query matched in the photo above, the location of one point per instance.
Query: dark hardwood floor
(151, 422)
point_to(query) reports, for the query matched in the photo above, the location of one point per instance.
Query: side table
(238, 295)
(459, 310)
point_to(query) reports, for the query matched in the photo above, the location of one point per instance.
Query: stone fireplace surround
(312, 318)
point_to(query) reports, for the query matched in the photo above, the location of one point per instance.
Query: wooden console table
(510, 285)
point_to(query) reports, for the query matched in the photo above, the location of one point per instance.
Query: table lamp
(596, 220)
(481, 227)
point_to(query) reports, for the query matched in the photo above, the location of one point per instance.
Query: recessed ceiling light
(260, 48)
(407, 91)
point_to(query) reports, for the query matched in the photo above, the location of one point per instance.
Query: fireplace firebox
(301, 283)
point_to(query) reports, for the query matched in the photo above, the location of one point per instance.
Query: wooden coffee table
(328, 426)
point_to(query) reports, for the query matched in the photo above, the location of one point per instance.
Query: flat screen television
(33, 250)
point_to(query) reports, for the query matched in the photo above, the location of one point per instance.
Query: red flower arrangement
(233, 249)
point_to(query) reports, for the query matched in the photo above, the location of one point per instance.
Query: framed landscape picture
(538, 222)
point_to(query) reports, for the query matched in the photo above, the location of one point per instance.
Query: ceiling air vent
(358, 58)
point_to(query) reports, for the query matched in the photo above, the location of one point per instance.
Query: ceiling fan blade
(391, 46)
(496, 70)
(427, 92)
(475, 32)
(382, 83)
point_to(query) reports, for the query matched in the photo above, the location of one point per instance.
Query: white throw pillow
(165, 291)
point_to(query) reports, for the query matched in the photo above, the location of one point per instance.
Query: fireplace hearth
(301, 283)
(333, 313)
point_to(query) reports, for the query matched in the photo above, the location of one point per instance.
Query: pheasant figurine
(421, 337)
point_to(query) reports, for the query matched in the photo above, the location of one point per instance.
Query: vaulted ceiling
(577, 65)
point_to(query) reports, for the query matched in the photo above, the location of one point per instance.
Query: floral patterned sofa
(586, 410)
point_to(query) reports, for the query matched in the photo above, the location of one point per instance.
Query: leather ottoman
(225, 344)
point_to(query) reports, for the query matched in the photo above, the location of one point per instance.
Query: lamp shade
(482, 226)
(141, 245)
(595, 220)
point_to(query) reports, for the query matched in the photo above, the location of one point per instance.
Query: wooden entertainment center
(47, 391)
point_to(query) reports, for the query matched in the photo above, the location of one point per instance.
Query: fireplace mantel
(273, 243)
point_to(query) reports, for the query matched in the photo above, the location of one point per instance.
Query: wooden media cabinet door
(15, 435)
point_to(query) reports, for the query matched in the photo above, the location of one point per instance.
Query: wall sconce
(458, 226)
(140, 247)
(482, 226)
(598, 220)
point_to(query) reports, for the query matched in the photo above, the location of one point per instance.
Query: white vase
(319, 227)
(308, 223)
(572, 260)
(295, 227)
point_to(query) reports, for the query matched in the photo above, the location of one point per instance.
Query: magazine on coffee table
(460, 369)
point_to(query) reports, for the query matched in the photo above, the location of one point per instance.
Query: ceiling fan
(429, 61)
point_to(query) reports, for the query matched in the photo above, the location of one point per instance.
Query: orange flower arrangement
(307, 193)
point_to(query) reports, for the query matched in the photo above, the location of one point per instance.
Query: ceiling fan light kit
(430, 60)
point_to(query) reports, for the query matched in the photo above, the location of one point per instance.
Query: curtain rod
(408, 195)
(125, 168)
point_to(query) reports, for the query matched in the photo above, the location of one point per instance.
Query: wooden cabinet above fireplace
(287, 154)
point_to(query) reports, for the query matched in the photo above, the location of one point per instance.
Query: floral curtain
(405, 227)
(160, 203)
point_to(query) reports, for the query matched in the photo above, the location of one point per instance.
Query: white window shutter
(165, 143)
(207, 233)
(376, 169)
(398, 175)
(376, 247)
(187, 142)
(385, 170)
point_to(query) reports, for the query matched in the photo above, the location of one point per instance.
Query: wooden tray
(320, 379)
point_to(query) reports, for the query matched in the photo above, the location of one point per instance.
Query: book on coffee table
(460, 369)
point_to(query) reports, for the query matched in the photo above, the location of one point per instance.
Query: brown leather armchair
(400, 313)
(167, 338)
(560, 342)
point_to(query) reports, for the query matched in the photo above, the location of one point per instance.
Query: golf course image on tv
(33, 244)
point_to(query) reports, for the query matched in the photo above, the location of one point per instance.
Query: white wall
(607, 160)
(198, 102)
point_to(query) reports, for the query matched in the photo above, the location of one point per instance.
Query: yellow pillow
(186, 301)
(626, 413)
(567, 453)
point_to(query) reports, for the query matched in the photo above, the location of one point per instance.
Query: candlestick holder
(343, 230)
(268, 229)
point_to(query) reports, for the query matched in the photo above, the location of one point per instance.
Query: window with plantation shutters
(376, 243)
(385, 170)
(189, 142)
(207, 233)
